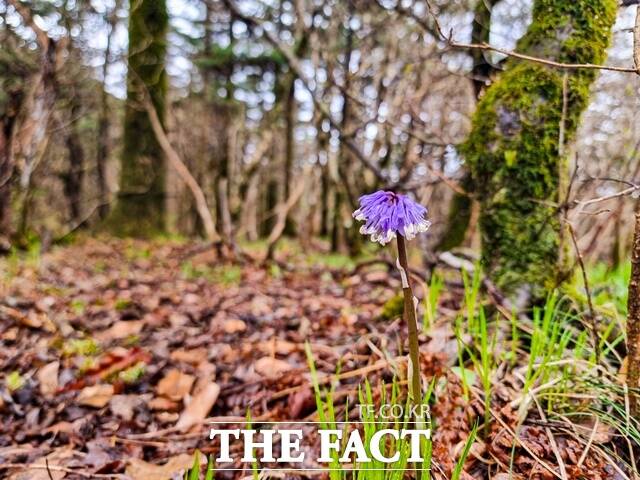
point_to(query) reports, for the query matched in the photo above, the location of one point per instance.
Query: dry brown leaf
(57, 458)
(234, 326)
(141, 470)
(96, 396)
(175, 385)
(271, 367)
(47, 377)
(124, 406)
(199, 406)
(603, 432)
(281, 347)
(10, 335)
(193, 356)
(163, 404)
(121, 329)
(167, 417)
(32, 319)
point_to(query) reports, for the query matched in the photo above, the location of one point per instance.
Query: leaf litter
(120, 356)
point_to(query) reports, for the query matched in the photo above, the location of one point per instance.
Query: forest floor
(115, 354)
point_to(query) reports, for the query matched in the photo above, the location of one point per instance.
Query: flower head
(387, 214)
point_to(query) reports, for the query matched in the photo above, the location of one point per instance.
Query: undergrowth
(548, 352)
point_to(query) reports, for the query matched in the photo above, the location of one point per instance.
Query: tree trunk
(73, 177)
(325, 189)
(140, 210)
(343, 189)
(514, 150)
(462, 205)
(103, 147)
(7, 126)
(633, 323)
(290, 118)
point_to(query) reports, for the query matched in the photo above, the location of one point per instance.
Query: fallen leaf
(141, 470)
(124, 406)
(10, 335)
(57, 458)
(281, 347)
(234, 326)
(121, 329)
(600, 433)
(163, 404)
(47, 377)
(194, 356)
(199, 406)
(167, 417)
(271, 367)
(96, 396)
(32, 319)
(175, 385)
(300, 401)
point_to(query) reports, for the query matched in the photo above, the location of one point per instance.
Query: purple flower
(387, 214)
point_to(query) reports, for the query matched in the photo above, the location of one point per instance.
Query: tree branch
(448, 39)
(41, 36)
(183, 172)
(294, 64)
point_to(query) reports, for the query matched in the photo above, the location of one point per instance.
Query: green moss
(513, 149)
(225, 275)
(393, 308)
(140, 208)
(133, 374)
(80, 346)
(14, 381)
(122, 304)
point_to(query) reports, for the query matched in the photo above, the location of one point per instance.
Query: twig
(590, 442)
(42, 38)
(281, 221)
(294, 64)
(516, 440)
(56, 468)
(622, 193)
(592, 315)
(46, 462)
(183, 172)
(448, 39)
(552, 441)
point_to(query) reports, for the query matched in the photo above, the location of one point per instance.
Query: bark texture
(514, 150)
(140, 210)
(633, 322)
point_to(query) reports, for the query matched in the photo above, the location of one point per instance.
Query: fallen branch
(174, 160)
(281, 220)
(448, 39)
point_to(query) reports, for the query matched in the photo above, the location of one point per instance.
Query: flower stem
(415, 391)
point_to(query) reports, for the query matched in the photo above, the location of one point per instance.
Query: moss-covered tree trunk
(513, 150)
(140, 209)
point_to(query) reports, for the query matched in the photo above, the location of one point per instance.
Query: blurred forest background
(284, 111)
(232, 139)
